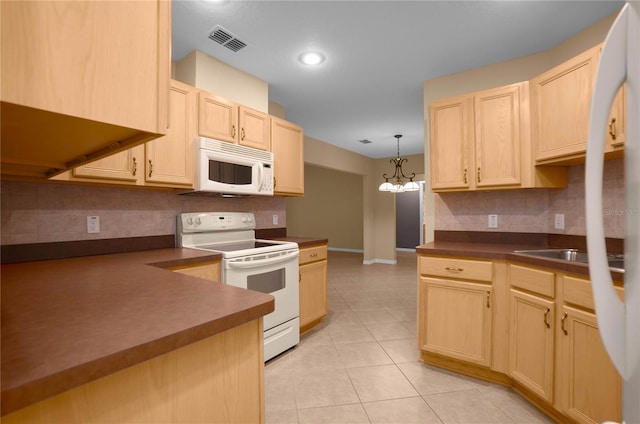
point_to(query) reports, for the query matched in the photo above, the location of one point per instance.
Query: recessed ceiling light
(311, 58)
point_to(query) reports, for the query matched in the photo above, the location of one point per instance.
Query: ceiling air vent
(227, 39)
(365, 141)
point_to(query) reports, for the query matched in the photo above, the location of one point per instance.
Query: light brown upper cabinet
(224, 120)
(498, 136)
(561, 99)
(451, 137)
(481, 140)
(164, 162)
(287, 145)
(560, 108)
(80, 81)
(169, 159)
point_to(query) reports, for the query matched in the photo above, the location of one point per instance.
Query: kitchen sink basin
(573, 255)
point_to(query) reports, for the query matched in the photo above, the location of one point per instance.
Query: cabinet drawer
(313, 254)
(578, 291)
(533, 280)
(467, 269)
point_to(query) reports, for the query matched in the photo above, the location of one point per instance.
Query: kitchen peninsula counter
(69, 322)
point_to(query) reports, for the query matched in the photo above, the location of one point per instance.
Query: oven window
(229, 173)
(267, 282)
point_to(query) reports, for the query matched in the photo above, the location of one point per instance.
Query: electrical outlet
(493, 221)
(93, 224)
(275, 219)
(559, 221)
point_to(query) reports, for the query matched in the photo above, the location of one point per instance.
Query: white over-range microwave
(230, 169)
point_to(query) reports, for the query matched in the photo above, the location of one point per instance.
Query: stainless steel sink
(573, 255)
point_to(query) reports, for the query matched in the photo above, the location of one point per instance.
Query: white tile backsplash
(48, 212)
(533, 210)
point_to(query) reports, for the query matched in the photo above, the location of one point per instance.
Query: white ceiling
(378, 54)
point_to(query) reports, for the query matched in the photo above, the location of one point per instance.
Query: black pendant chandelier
(396, 183)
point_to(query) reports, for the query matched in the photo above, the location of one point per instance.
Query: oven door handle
(261, 262)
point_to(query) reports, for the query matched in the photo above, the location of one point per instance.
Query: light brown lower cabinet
(313, 286)
(208, 271)
(531, 346)
(216, 380)
(457, 318)
(556, 358)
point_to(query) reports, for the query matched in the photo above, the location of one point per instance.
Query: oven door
(274, 273)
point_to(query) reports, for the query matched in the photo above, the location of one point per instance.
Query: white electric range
(266, 266)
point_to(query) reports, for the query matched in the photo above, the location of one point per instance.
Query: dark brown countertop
(68, 322)
(303, 241)
(506, 252)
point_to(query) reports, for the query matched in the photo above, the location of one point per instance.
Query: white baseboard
(341, 249)
(404, 249)
(380, 261)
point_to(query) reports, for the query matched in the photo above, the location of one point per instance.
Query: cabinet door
(456, 318)
(561, 100)
(313, 293)
(288, 157)
(592, 392)
(104, 61)
(497, 136)
(531, 345)
(124, 168)
(254, 129)
(451, 130)
(91, 78)
(217, 118)
(169, 159)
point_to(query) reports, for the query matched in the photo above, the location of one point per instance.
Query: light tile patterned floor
(361, 364)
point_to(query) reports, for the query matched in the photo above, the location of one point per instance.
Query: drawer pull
(479, 179)
(546, 312)
(488, 299)
(135, 167)
(454, 269)
(150, 168)
(464, 177)
(233, 131)
(313, 255)
(564, 317)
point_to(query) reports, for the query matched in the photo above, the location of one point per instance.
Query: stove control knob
(190, 221)
(198, 221)
(244, 219)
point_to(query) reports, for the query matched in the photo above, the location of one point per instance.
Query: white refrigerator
(619, 322)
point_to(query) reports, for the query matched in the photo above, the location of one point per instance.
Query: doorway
(409, 219)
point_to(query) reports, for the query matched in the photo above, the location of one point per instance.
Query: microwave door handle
(261, 262)
(260, 177)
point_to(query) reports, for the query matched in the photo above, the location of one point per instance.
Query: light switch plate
(558, 221)
(275, 219)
